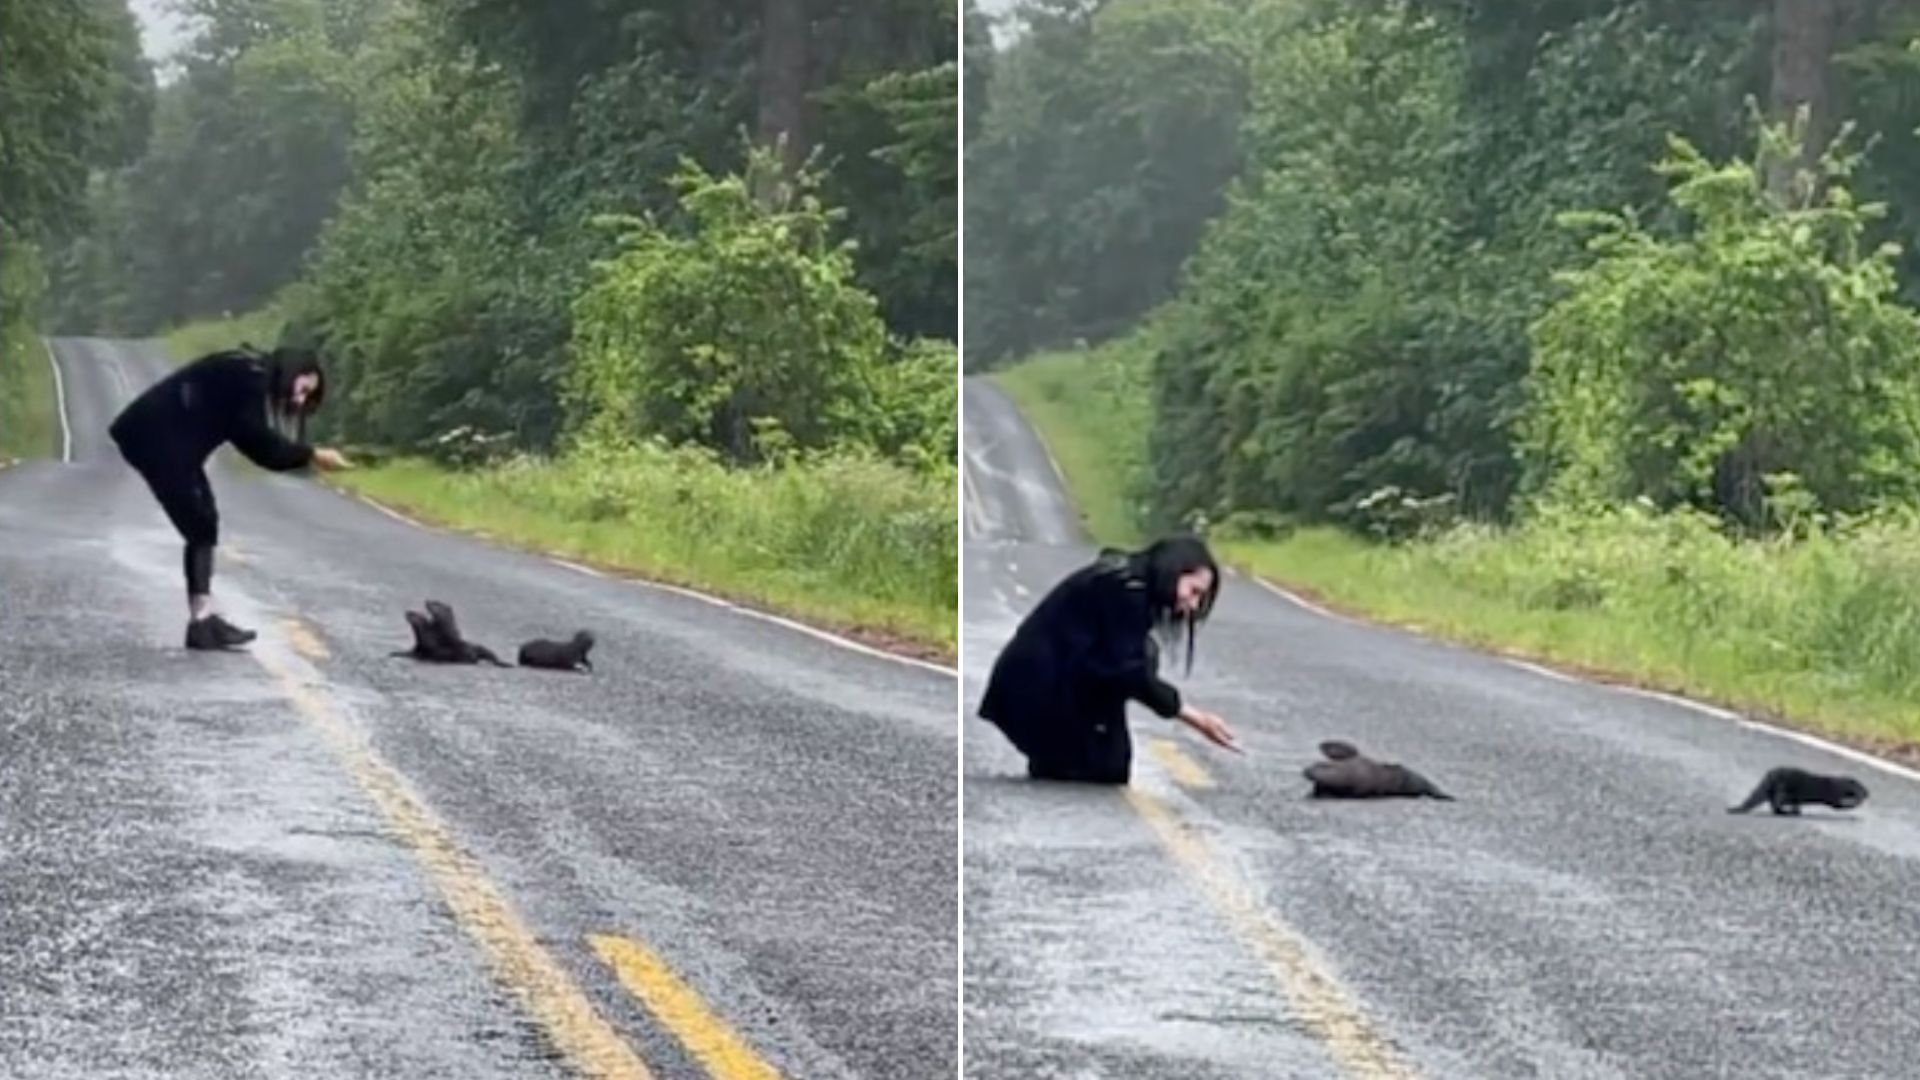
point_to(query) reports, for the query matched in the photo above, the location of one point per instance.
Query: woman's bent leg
(1097, 751)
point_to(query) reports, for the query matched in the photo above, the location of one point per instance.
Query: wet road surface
(728, 852)
(1587, 909)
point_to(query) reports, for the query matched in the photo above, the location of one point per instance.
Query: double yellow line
(519, 961)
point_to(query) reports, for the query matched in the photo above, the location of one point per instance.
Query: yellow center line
(680, 1010)
(518, 960)
(1185, 771)
(304, 641)
(1317, 997)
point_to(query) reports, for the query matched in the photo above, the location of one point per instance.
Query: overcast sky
(160, 29)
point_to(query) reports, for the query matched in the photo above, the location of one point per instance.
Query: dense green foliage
(75, 96)
(747, 335)
(1370, 307)
(762, 346)
(414, 185)
(1102, 149)
(1762, 340)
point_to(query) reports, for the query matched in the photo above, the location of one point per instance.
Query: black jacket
(180, 420)
(1078, 658)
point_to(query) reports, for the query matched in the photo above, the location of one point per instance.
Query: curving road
(1587, 909)
(729, 852)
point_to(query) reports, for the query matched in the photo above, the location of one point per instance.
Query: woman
(168, 432)
(1060, 689)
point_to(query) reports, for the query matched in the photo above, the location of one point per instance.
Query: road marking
(715, 601)
(60, 400)
(575, 567)
(1847, 752)
(1715, 711)
(394, 514)
(518, 960)
(679, 1008)
(1185, 771)
(1543, 672)
(304, 640)
(1317, 997)
(1302, 601)
(977, 519)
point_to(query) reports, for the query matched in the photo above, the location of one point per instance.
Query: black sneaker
(214, 633)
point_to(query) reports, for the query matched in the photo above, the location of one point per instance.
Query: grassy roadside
(194, 340)
(1093, 413)
(858, 546)
(29, 417)
(1822, 634)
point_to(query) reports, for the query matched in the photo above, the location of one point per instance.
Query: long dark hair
(284, 365)
(1159, 566)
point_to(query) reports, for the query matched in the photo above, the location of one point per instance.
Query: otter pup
(1786, 789)
(570, 655)
(436, 639)
(1348, 774)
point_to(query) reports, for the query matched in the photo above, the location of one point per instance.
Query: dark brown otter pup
(1349, 774)
(1786, 789)
(569, 655)
(437, 640)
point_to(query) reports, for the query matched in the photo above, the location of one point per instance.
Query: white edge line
(1833, 748)
(1715, 711)
(1302, 601)
(394, 514)
(1718, 713)
(810, 631)
(60, 399)
(575, 567)
(1543, 672)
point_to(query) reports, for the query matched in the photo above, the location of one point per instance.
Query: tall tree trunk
(786, 33)
(1803, 35)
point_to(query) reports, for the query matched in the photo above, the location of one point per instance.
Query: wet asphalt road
(197, 880)
(1587, 909)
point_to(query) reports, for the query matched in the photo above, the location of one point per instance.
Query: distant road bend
(1587, 909)
(729, 852)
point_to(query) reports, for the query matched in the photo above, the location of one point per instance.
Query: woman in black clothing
(258, 403)
(1060, 688)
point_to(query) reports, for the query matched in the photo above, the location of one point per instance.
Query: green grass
(260, 328)
(862, 546)
(29, 417)
(1821, 632)
(1091, 408)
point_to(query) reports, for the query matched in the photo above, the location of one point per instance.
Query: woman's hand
(330, 459)
(1211, 728)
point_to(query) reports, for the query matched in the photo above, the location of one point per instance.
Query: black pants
(187, 497)
(1095, 749)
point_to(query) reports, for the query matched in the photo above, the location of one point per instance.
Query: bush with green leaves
(1316, 353)
(745, 323)
(1766, 338)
